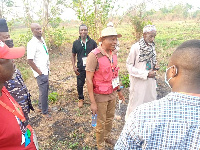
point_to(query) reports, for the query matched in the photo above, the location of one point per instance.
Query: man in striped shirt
(172, 122)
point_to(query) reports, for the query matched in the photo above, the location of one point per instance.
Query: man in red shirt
(14, 135)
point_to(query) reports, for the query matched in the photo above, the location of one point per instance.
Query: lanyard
(110, 59)
(45, 48)
(17, 111)
(84, 46)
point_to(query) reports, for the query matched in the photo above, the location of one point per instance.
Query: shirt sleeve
(130, 64)
(95, 45)
(31, 50)
(129, 137)
(91, 63)
(74, 48)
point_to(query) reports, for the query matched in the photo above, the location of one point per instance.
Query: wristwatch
(118, 90)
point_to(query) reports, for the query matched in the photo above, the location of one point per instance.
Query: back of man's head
(187, 60)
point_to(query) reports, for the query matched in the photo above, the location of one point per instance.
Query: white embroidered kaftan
(142, 89)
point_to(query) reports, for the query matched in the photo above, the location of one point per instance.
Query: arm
(89, 77)
(134, 71)
(91, 66)
(34, 67)
(130, 138)
(73, 59)
(31, 52)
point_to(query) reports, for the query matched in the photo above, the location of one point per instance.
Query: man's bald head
(187, 59)
(34, 26)
(36, 30)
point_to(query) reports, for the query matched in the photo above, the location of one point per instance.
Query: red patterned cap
(10, 53)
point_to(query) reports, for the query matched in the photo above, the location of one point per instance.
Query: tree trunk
(46, 16)
(1, 10)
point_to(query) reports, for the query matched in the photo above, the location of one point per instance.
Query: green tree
(138, 19)
(186, 10)
(27, 16)
(93, 13)
(5, 3)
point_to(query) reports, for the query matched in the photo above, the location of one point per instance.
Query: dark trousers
(80, 83)
(43, 84)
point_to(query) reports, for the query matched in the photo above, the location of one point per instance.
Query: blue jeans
(43, 84)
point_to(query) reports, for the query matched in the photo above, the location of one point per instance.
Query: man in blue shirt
(16, 86)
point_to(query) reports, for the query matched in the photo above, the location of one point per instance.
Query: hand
(40, 73)
(121, 96)
(156, 67)
(151, 74)
(76, 71)
(93, 108)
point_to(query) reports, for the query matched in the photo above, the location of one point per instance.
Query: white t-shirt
(39, 53)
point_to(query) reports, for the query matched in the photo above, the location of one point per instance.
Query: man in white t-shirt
(38, 59)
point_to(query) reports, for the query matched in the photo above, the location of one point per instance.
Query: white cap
(110, 24)
(149, 28)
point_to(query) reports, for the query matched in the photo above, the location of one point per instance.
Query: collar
(88, 38)
(184, 98)
(35, 39)
(102, 51)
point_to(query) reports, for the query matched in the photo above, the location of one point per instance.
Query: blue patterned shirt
(171, 123)
(19, 91)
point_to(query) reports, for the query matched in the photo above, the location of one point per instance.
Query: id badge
(115, 82)
(84, 61)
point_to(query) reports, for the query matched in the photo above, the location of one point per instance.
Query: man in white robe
(141, 65)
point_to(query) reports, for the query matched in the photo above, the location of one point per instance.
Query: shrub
(125, 80)
(55, 37)
(53, 97)
(24, 38)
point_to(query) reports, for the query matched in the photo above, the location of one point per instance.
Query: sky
(151, 4)
(69, 14)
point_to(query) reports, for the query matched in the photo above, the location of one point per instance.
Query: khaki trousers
(105, 115)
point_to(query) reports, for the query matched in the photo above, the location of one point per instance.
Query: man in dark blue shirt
(81, 47)
(16, 86)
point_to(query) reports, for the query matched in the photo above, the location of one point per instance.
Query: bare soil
(70, 127)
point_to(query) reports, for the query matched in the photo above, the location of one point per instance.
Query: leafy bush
(125, 80)
(53, 97)
(138, 24)
(24, 38)
(54, 22)
(73, 145)
(55, 37)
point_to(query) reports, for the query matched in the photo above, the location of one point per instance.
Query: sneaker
(80, 103)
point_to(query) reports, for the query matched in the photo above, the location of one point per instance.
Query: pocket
(42, 79)
(104, 89)
(107, 74)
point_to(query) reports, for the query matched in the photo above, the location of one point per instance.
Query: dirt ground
(70, 127)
